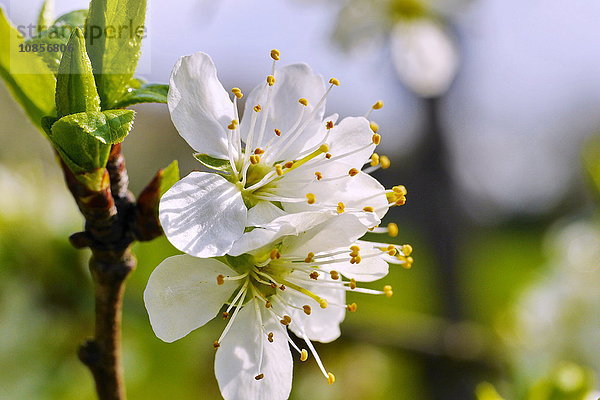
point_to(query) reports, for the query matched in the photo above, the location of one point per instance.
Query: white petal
(237, 359)
(323, 324)
(182, 294)
(203, 214)
(365, 191)
(353, 136)
(292, 83)
(263, 213)
(199, 105)
(425, 56)
(368, 270)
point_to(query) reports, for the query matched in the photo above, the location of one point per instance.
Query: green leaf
(28, 78)
(150, 93)
(84, 140)
(486, 391)
(46, 15)
(75, 85)
(213, 163)
(170, 176)
(114, 32)
(57, 36)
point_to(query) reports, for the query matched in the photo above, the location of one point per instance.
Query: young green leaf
(213, 163)
(75, 85)
(114, 31)
(46, 15)
(150, 93)
(170, 176)
(28, 78)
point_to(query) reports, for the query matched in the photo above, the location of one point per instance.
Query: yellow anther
(408, 262)
(392, 252)
(254, 159)
(356, 259)
(378, 105)
(225, 315)
(277, 132)
(268, 304)
(334, 81)
(329, 125)
(318, 175)
(257, 108)
(303, 355)
(385, 162)
(278, 169)
(216, 344)
(270, 337)
(353, 172)
(407, 249)
(354, 254)
(328, 156)
(310, 198)
(376, 138)
(309, 257)
(340, 207)
(352, 307)
(233, 125)
(374, 160)
(352, 284)
(259, 377)
(368, 209)
(314, 275)
(330, 378)
(282, 287)
(289, 164)
(271, 80)
(286, 320)
(237, 92)
(374, 126)
(401, 201)
(400, 189)
(307, 309)
(323, 303)
(275, 54)
(390, 247)
(392, 229)
(275, 254)
(258, 150)
(324, 148)
(354, 248)
(387, 290)
(334, 275)
(303, 101)
(220, 279)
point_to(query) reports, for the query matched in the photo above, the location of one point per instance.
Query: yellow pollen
(392, 229)
(354, 248)
(318, 175)
(323, 303)
(233, 125)
(408, 263)
(270, 337)
(407, 249)
(309, 257)
(278, 169)
(220, 279)
(282, 287)
(334, 275)
(387, 290)
(303, 101)
(286, 320)
(324, 148)
(353, 172)
(237, 92)
(328, 156)
(392, 252)
(352, 307)
(303, 355)
(254, 159)
(376, 138)
(378, 105)
(257, 108)
(275, 54)
(258, 150)
(340, 207)
(374, 160)
(275, 254)
(307, 309)
(390, 247)
(401, 189)
(289, 164)
(216, 344)
(268, 304)
(401, 201)
(385, 162)
(314, 275)
(334, 82)
(259, 377)
(356, 260)
(330, 378)
(368, 209)
(352, 283)
(374, 126)
(277, 132)
(354, 254)
(329, 125)
(271, 80)
(310, 198)
(225, 315)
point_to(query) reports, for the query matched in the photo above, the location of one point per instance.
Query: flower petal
(182, 294)
(203, 214)
(241, 351)
(352, 136)
(292, 83)
(263, 213)
(199, 105)
(368, 270)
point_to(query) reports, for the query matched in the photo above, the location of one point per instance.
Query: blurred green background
(501, 210)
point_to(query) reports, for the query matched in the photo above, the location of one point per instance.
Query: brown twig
(113, 221)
